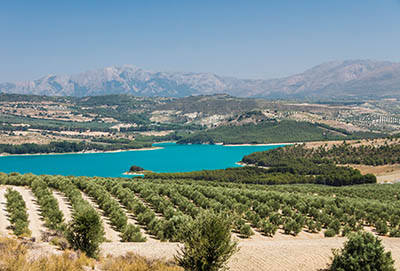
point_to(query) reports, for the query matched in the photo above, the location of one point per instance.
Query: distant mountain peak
(331, 79)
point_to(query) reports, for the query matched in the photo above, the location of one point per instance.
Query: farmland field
(267, 220)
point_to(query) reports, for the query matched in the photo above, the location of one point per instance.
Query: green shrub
(16, 209)
(49, 208)
(335, 225)
(246, 231)
(394, 233)
(292, 227)
(381, 227)
(85, 232)
(269, 229)
(207, 243)
(329, 233)
(132, 234)
(362, 251)
(346, 230)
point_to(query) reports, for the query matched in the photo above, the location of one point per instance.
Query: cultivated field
(287, 223)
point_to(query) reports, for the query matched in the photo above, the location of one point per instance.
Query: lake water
(171, 158)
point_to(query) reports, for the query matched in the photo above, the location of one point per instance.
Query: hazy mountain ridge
(331, 79)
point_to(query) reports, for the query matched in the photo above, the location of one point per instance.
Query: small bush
(269, 229)
(394, 233)
(292, 227)
(246, 231)
(362, 251)
(381, 227)
(85, 232)
(207, 243)
(132, 234)
(329, 233)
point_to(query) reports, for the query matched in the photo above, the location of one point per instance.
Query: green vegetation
(207, 243)
(165, 208)
(287, 165)
(50, 211)
(362, 251)
(65, 147)
(17, 212)
(111, 209)
(388, 153)
(271, 132)
(318, 164)
(135, 169)
(169, 209)
(132, 234)
(85, 231)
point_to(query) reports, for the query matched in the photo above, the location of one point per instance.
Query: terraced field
(277, 227)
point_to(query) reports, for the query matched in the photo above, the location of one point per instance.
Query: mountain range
(337, 79)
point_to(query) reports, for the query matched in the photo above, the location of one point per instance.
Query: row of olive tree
(111, 208)
(54, 218)
(18, 215)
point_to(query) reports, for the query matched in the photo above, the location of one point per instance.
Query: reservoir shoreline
(146, 149)
(81, 152)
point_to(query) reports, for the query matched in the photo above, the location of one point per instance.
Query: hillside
(338, 79)
(270, 132)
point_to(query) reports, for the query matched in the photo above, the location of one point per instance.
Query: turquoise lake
(171, 158)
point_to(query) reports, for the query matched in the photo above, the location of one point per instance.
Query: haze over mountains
(338, 79)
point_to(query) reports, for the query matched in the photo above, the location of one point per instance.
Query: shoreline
(240, 163)
(138, 173)
(145, 149)
(81, 152)
(268, 144)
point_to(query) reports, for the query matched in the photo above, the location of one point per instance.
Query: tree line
(66, 146)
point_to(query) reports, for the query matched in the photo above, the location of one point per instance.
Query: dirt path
(4, 223)
(64, 205)
(110, 233)
(158, 250)
(261, 255)
(35, 221)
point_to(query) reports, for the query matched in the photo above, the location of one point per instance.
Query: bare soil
(280, 253)
(4, 223)
(64, 205)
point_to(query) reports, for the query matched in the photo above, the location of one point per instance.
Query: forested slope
(271, 132)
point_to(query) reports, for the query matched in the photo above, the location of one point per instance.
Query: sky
(242, 38)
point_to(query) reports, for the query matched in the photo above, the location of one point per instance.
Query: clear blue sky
(246, 38)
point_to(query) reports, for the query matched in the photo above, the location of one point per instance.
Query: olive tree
(207, 243)
(363, 251)
(85, 232)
